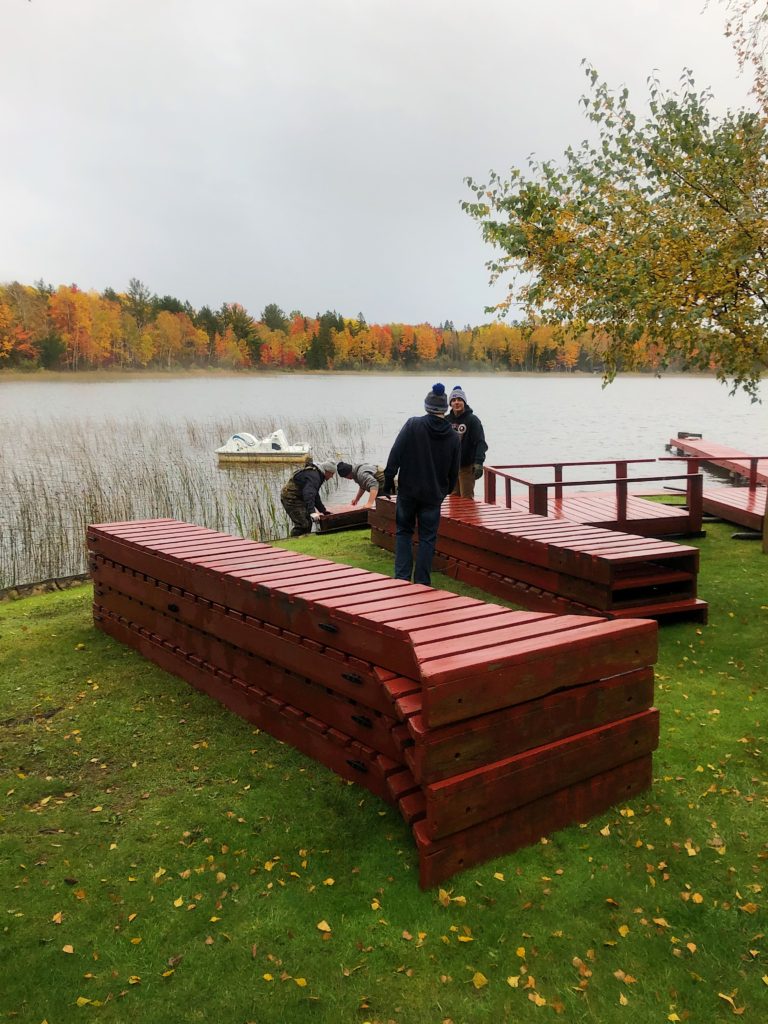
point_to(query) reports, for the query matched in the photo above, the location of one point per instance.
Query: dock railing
(694, 463)
(538, 493)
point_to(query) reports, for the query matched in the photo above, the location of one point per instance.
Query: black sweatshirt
(426, 453)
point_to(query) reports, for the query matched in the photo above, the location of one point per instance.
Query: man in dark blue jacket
(426, 452)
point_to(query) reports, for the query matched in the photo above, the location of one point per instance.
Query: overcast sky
(305, 152)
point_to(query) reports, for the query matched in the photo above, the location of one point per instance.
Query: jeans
(407, 513)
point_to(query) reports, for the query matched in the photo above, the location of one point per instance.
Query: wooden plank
(443, 858)
(462, 686)
(458, 802)
(354, 762)
(351, 677)
(463, 746)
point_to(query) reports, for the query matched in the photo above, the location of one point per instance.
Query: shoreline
(113, 376)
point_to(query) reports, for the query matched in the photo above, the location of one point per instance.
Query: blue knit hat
(436, 401)
(458, 392)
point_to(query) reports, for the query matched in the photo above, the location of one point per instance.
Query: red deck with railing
(615, 508)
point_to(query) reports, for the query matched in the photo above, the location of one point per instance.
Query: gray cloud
(304, 152)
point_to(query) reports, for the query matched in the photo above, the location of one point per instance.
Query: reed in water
(66, 473)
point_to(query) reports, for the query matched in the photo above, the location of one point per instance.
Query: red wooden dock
(486, 727)
(559, 566)
(742, 505)
(751, 468)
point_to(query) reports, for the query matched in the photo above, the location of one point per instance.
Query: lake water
(79, 451)
(526, 419)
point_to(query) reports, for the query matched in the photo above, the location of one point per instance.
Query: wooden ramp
(488, 728)
(543, 563)
(744, 506)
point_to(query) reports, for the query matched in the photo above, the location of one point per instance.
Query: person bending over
(300, 496)
(369, 478)
(426, 453)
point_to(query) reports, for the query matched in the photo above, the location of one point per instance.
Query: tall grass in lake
(58, 475)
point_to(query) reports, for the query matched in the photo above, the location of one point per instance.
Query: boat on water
(274, 447)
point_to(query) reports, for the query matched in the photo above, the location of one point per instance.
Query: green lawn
(163, 861)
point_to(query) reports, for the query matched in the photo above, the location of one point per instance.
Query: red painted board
(458, 802)
(353, 762)
(441, 859)
(462, 686)
(463, 746)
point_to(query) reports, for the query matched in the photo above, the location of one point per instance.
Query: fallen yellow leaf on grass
(521, 952)
(536, 998)
(58, 917)
(749, 908)
(697, 897)
(267, 977)
(134, 979)
(301, 982)
(179, 902)
(329, 881)
(67, 949)
(82, 1001)
(323, 926)
(513, 980)
(623, 999)
(499, 876)
(738, 1010)
(624, 931)
(479, 980)
(605, 831)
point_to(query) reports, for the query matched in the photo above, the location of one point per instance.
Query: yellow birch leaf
(407, 936)
(179, 902)
(58, 917)
(461, 900)
(513, 980)
(605, 831)
(82, 1001)
(765, 979)
(521, 952)
(158, 874)
(136, 940)
(465, 938)
(697, 897)
(536, 998)
(134, 979)
(444, 898)
(479, 980)
(132, 917)
(220, 877)
(623, 999)
(267, 977)
(375, 905)
(624, 931)
(301, 982)
(499, 876)
(672, 1017)
(749, 908)
(68, 948)
(691, 947)
(323, 926)
(661, 922)
(214, 918)
(169, 972)
(329, 881)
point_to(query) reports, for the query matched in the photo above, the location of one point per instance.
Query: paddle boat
(274, 447)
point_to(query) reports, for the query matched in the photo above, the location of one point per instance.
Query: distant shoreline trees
(68, 329)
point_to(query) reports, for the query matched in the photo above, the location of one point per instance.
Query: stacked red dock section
(487, 727)
(555, 565)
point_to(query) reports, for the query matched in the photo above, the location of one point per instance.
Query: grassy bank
(162, 860)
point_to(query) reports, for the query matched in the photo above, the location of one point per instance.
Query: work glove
(477, 469)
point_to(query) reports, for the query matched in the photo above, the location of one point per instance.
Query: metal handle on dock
(357, 765)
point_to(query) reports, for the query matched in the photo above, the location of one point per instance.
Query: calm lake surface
(80, 451)
(526, 419)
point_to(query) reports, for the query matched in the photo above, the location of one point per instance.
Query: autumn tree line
(69, 329)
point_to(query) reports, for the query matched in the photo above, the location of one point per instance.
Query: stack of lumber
(553, 565)
(488, 728)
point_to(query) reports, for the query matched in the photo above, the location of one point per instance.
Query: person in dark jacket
(300, 496)
(426, 454)
(473, 446)
(368, 477)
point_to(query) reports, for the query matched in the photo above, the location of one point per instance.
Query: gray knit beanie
(436, 401)
(327, 467)
(458, 392)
